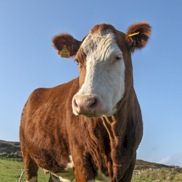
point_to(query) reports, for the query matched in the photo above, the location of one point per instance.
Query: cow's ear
(138, 35)
(66, 45)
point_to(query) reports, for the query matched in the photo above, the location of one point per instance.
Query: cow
(94, 119)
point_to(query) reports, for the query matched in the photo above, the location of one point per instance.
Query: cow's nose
(85, 104)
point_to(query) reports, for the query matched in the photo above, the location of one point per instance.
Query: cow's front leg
(83, 172)
(123, 148)
(123, 168)
(83, 169)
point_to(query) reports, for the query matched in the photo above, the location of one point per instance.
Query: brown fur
(67, 40)
(49, 132)
(139, 40)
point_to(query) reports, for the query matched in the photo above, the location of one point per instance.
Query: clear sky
(28, 61)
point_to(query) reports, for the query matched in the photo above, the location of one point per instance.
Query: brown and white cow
(94, 118)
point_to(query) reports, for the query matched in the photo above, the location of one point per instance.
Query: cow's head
(104, 59)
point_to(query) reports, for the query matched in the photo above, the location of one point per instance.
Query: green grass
(158, 175)
(10, 171)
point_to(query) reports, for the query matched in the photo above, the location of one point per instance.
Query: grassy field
(158, 175)
(10, 171)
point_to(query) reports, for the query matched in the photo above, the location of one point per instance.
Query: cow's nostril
(85, 104)
(93, 102)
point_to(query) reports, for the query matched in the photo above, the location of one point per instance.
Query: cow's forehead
(99, 38)
(102, 29)
(96, 40)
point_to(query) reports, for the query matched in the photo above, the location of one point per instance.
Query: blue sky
(28, 61)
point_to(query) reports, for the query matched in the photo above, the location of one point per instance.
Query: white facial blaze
(105, 71)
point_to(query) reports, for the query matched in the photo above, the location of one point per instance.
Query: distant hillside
(13, 148)
(141, 164)
(144, 171)
(9, 148)
(153, 172)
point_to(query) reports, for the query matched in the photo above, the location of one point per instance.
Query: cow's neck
(116, 127)
(117, 123)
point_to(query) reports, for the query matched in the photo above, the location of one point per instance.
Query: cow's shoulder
(40, 95)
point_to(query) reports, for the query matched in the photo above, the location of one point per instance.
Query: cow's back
(43, 133)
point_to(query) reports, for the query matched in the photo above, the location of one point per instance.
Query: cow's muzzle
(86, 105)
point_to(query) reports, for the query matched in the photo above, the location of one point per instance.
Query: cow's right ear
(66, 45)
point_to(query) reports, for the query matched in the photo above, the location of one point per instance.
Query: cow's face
(103, 58)
(102, 74)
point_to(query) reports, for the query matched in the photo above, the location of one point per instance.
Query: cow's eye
(117, 58)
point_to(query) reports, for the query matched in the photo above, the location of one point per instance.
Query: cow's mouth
(95, 114)
(90, 115)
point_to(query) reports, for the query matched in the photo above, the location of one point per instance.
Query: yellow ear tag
(133, 34)
(64, 52)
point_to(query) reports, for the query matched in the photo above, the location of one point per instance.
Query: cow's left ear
(66, 45)
(138, 35)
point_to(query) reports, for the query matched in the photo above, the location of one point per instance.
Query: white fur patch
(58, 175)
(105, 74)
(63, 179)
(70, 165)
